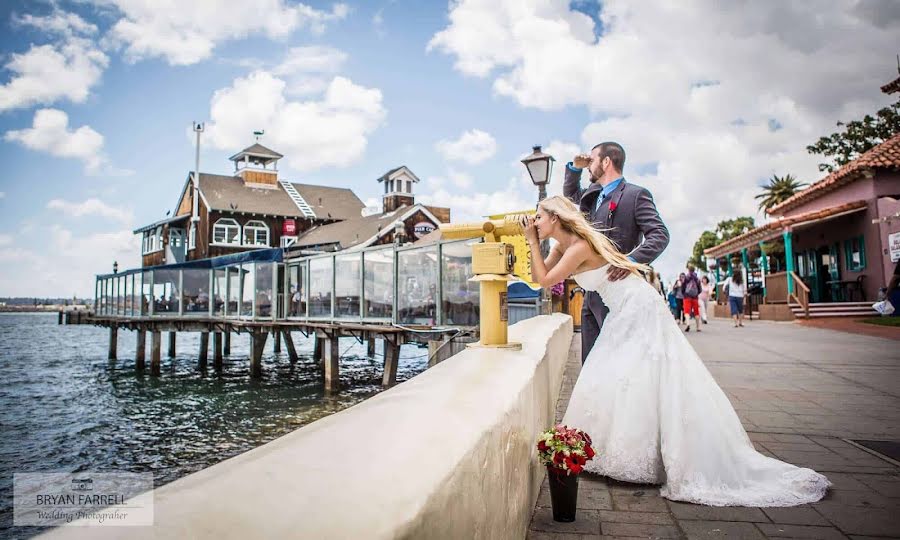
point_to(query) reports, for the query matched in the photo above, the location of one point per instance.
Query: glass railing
(414, 285)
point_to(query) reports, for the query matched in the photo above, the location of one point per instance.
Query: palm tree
(779, 189)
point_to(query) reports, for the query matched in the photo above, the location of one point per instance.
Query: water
(65, 408)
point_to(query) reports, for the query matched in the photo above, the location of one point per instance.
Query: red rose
(612, 206)
(542, 446)
(589, 451)
(559, 458)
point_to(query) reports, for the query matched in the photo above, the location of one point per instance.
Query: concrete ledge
(448, 454)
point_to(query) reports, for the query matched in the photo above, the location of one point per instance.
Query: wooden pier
(442, 342)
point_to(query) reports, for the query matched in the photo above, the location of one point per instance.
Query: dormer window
(256, 233)
(226, 231)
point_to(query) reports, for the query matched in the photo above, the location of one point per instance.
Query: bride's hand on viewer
(531, 235)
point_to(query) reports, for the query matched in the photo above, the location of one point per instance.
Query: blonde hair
(572, 220)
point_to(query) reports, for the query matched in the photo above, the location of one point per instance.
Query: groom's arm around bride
(625, 212)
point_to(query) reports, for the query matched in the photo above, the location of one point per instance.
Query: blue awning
(270, 255)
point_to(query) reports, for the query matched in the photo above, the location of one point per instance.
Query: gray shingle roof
(258, 150)
(331, 202)
(221, 192)
(349, 233)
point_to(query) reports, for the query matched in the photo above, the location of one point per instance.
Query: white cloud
(185, 33)
(50, 133)
(330, 129)
(472, 206)
(91, 207)
(311, 59)
(696, 120)
(66, 69)
(5, 240)
(66, 263)
(2, 194)
(57, 22)
(472, 147)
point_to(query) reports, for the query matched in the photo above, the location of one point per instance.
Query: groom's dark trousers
(635, 227)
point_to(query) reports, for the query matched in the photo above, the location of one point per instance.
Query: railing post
(765, 267)
(439, 290)
(789, 262)
(333, 284)
(180, 292)
(152, 307)
(211, 293)
(362, 284)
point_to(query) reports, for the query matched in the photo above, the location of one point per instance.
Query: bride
(655, 413)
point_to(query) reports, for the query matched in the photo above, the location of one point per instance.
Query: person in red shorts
(691, 289)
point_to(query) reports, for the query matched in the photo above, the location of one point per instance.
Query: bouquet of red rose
(565, 449)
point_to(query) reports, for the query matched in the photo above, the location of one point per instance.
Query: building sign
(289, 228)
(422, 228)
(894, 243)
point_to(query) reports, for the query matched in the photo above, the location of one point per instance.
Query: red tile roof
(884, 156)
(774, 228)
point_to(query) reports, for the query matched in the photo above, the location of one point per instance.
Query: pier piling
(289, 342)
(227, 347)
(172, 344)
(140, 349)
(391, 359)
(155, 346)
(276, 348)
(331, 356)
(370, 348)
(318, 354)
(217, 350)
(113, 341)
(204, 349)
(257, 346)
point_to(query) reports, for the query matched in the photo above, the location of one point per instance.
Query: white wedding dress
(657, 416)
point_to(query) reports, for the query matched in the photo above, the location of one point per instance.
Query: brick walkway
(800, 393)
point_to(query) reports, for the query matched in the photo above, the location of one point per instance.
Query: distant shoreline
(40, 309)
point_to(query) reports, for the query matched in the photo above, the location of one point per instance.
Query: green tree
(725, 230)
(778, 190)
(857, 137)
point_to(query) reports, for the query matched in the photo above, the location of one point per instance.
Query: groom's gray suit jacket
(635, 227)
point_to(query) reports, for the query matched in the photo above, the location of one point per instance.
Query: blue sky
(360, 88)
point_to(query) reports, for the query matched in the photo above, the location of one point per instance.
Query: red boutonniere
(612, 206)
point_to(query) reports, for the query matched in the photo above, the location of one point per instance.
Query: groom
(629, 213)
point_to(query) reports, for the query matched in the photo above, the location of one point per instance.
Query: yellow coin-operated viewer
(493, 263)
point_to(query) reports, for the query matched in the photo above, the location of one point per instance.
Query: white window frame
(227, 224)
(252, 230)
(192, 236)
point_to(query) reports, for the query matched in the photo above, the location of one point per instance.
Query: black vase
(563, 494)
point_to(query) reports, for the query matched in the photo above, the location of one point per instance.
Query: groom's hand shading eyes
(615, 274)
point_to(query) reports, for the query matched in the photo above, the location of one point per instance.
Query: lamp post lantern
(115, 267)
(539, 166)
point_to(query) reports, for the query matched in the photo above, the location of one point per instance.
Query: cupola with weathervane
(398, 188)
(257, 165)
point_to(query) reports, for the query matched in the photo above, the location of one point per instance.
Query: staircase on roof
(834, 309)
(298, 199)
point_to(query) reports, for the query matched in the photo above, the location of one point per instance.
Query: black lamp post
(539, 166)
(115, 267)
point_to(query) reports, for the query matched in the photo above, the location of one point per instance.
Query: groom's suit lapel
(603, 217)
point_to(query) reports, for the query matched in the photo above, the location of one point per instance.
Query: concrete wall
(448, 454)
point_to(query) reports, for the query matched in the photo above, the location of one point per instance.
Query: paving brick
(586, 522)
(865, 499)
(886, 486)
(800, 531)
(800, 515)
(632, 502)
(542, 535)
(720, 529)
(716, 513)
(594, 500)
(646, 518)
(643, 531)
(853, 520)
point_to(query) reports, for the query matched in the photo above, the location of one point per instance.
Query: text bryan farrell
(80, 499)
